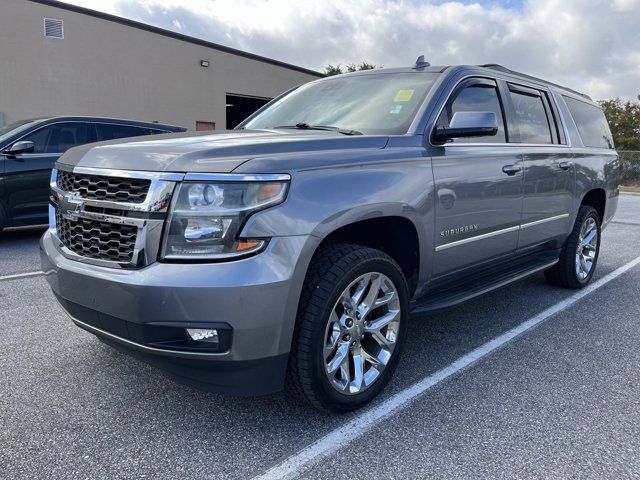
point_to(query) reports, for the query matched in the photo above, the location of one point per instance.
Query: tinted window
(531, 118)
(591, 122)
(39, 139)
(384, 103)
(15, 128)
(476, 98)
(107, 131)
(58, 138)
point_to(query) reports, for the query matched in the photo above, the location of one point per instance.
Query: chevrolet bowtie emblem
(71, 206)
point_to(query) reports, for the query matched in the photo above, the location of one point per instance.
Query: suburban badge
(459, 230)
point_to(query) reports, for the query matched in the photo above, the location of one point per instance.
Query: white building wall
(109, 69)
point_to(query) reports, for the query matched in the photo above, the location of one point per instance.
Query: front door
(478, 184)
(26, 176)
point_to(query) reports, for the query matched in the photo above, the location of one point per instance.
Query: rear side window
(59, 138)
(591, 122)
(532, 116)
(107, 131)
(476, 98)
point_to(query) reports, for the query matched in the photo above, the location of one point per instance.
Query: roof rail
(500, 68)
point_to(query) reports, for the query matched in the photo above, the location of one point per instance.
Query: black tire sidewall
(3, 218)
(585, 213)
(329, 396)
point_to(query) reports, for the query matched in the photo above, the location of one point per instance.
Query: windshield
(383, 104)
(14, 128)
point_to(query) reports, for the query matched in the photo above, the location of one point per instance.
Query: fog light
(203, 334)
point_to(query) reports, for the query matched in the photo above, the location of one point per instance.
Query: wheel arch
(596, 198)
(397, 236)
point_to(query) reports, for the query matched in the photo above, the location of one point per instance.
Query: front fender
(321, 201)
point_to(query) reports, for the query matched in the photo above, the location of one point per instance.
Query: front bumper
(256, 297)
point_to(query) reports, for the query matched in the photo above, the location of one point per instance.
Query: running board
(477, 287)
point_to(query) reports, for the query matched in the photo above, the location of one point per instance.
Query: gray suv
(293, 249)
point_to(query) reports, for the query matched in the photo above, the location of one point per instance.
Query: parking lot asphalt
(19, 250)
(562, 400)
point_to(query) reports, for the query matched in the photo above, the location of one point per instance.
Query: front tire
(350, 329)
(579, 255)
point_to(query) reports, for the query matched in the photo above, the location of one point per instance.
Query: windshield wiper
(306, 126)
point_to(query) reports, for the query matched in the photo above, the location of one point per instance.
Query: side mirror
(18, 148)
(465, 125)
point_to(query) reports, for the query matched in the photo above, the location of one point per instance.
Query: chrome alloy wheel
(587, 248)
(361, 333)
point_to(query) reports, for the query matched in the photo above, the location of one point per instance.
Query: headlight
(206, 217)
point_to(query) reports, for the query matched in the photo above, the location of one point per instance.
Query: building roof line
(172, 34)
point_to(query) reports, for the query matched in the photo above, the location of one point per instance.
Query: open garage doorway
(240, 107)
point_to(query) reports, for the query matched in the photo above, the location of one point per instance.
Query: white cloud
(589, 45)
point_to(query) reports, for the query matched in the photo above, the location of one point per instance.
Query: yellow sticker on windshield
(403, 95)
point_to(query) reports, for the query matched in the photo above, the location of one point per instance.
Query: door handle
(511, 170)
(565, 165)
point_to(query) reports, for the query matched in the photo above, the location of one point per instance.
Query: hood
(210, 153)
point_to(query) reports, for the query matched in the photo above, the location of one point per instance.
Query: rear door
(478, 187)
(27, 175)
(549, 173)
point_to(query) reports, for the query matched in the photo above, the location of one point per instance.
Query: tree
(330, 70)
(624, 120)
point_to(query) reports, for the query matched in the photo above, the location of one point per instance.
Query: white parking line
(637, 224)
(345, 434)
(21, 275)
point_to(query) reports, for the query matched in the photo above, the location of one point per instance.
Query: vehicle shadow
(21, 234)
(256, 431)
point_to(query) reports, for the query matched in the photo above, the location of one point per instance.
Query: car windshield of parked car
(384, 103)
(15, 128)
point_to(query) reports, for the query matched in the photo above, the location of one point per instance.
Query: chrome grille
(111, 218)
(98, 240)
(96, 187)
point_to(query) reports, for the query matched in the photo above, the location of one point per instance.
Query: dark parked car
(29, 149)
(295, 247)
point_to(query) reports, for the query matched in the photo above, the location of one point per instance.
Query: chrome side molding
(483, 236)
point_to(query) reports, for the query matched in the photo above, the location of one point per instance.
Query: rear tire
(3, 219)
(579, 255)
(341, 356)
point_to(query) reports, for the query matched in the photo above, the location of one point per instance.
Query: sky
(590, 45)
